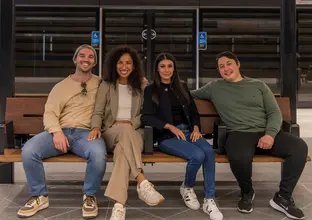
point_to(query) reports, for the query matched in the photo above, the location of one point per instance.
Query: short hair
(85, 46)
(227, 54)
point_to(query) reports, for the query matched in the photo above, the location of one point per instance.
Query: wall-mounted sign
(202, 40)
(95, 39)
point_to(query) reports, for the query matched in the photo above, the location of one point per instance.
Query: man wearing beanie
(66, 119)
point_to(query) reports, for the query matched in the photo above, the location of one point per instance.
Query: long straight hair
(176, 82)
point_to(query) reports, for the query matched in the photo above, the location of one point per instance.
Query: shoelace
(189, 194)
(247, 198)
(289, 202)
(90, 201)
(32, 200)
(212, 206)
(147, 190)
(117, 213)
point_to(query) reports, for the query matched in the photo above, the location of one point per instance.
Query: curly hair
(111, 75)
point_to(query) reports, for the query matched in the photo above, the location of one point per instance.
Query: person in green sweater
(253, 120)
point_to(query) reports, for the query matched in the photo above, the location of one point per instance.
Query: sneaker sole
(153, 204)
(280, 209)
(90, 215)
(186, 203)
(44, 206)
(245, 211)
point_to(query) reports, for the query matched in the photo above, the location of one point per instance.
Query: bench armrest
(148, 140)
(6, 135)
(291, 128)
(219, 136)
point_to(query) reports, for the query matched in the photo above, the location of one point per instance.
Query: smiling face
(229, 69)
(85, 60)
(125, 66)
(166, 70)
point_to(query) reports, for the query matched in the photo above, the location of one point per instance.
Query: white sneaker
(118, 212)
(212, 209)
(189, 197)
(148, 194)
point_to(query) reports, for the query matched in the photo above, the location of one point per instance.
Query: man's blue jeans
(41, 146)
(196, 153)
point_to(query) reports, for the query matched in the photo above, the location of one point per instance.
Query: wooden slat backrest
(26, 113)
(208, 113)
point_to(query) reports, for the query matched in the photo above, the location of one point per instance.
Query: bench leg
(6, 173)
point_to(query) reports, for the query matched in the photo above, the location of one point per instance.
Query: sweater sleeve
(100, 103)
(149, 111)
(273, 113)
(203, 92)
(53, 109)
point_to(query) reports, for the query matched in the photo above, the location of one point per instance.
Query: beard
(84, 70)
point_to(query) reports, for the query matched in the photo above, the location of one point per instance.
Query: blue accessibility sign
(95, 39)
(202, 40)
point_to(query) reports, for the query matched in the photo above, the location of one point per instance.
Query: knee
(198, 157)
(98, 154)
(301, 149)
(240, 159)
(28, 151)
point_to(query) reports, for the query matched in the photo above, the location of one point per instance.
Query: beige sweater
(67, 107)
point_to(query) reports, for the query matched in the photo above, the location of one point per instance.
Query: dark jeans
(196, 153)
(240, 148)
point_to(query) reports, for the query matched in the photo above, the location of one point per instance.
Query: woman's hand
(94, 133)
(196, 134)
(176, 131)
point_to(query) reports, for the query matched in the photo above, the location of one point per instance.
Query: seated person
(66, 120)
(253, 119)
(117, 116)
(169, 108)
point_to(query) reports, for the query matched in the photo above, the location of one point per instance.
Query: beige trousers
(127, 145)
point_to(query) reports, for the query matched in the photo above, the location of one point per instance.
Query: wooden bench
(24, 117)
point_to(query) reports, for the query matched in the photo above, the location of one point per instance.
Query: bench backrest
(27, 112)
(208, 113)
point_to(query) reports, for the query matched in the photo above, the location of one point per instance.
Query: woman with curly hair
(117, 118)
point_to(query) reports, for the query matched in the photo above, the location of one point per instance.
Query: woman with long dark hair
(169, 108)
(117, 117)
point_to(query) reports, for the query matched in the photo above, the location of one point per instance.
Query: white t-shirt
(124, 103)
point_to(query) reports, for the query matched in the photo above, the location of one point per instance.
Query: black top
(157, 116)
(178, 115)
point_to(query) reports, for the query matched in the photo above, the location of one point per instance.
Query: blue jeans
(41, 146)
(196, 153)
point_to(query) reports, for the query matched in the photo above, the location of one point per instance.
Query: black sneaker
(245, 203)
(288, 207)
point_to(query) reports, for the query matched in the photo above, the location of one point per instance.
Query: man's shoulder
(253, 80)
(61, 84)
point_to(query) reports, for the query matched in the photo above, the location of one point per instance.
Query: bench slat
(14, 155)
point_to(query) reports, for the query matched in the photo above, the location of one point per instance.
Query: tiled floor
(66, 196)
(66, 200)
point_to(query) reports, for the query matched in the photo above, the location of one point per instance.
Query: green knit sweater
(247, 105)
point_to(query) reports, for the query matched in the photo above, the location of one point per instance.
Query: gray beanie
(82, 47)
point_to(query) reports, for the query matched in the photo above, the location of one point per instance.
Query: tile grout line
(305, 187)
(187, 210)
(62, 213)
(19, 206)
